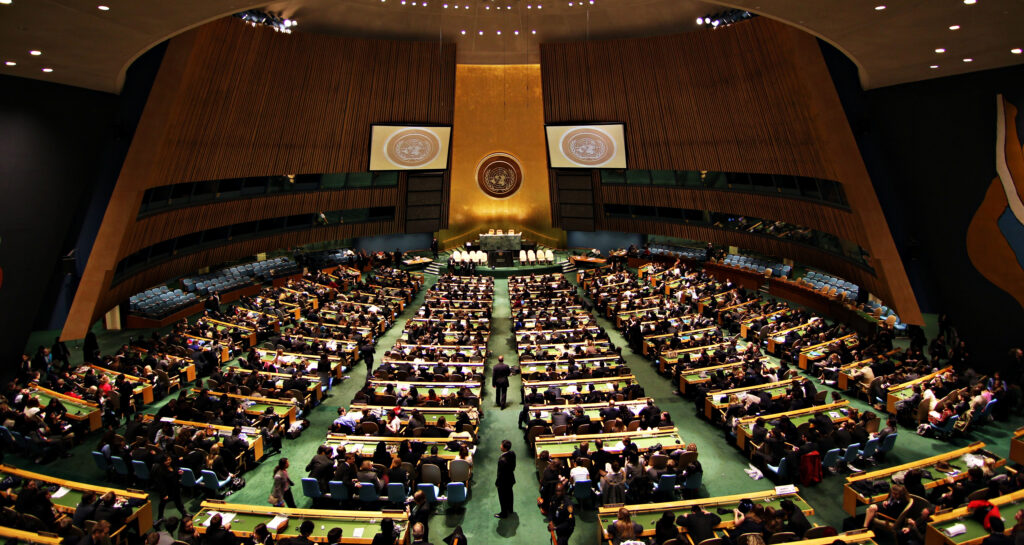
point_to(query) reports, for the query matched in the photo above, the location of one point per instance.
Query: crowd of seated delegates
(32, 497)
(574, 419)
(469, 333)
(438, 368)
(576, 370)
(618, 473)
(293, 388)
(223, 411)
(345, 302)
(726, 353)
(414, 397)
(754, 372)
(786, 440)
(44, 426)
(589, 346)
(403, 422)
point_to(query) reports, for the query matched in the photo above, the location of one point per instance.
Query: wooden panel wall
(232, 101)
(727, 100)
(754, 97)
(829, 219)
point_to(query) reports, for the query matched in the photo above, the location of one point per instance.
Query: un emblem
(499, 175)
(411, 148)
(588, 146)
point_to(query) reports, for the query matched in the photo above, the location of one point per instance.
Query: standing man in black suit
(499, 379)
(506, 479)
(366, 352)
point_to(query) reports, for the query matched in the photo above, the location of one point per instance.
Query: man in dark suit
(366, 352)
(609, 413)
(506, 479)
(85, 509)
(700, 524)
(796, 521)
(499, 379)
(438, 461)
(321, 467)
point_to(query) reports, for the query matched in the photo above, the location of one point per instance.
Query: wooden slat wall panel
(764, 245)
(823, 218)
(159, 227)
(233, 251)
(729, 100)
(233, 101)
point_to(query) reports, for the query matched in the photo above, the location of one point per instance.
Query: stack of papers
(357, 533)
(955, 530)
(835, 415)
(277, 523)
(61, 492)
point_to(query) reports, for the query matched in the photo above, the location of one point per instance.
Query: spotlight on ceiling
(700, 20)
(103, 8)
(879, 8)
(1016, 51)
(970, 2)
(275, 21)
(5, 2)
(725, 18)
(11, 63)
(47, 70)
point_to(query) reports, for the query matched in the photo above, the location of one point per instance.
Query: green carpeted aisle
(723, 464)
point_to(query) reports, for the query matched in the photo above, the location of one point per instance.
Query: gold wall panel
(499, 108)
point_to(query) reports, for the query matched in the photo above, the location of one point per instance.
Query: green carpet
(723, 464)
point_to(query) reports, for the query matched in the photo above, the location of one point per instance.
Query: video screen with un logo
(403, 147)
(586, 146)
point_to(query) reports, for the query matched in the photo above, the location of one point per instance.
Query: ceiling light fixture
(1016, 51)
(35, 52)
(954, 27)
(47, 70)
(11, 63)
(879, 8)
(103, 8)
(934, 66)
(968, 59)
(516, 32)
(533, 32)
(481, 33)
(463, 32)
(940, 49)
(499, 33)
(970, 2)
(5, 2)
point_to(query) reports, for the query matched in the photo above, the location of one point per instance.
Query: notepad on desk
(61, 492)
(277, 523)
(357, 533)
(955, 530)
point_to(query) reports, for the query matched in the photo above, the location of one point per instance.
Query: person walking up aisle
(499, 380)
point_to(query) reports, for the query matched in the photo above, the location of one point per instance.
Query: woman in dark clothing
(167, 485)
(380, 455)
(666, 528)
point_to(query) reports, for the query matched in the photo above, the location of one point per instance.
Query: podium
(500, 258)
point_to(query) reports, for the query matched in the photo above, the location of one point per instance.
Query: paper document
(785, 489)
(277, 523)
(357, 533)
(835, 415)
(61, 492)
(955, 530)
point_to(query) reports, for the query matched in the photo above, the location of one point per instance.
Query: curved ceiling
(88, 47)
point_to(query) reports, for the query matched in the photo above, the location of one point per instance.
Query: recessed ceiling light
(5, 1)
(414, 3)
(499, 33)
(463, 32)
(954, 27)
(934, 66)
(940, 49)
(879, 8)
(47, 70)
(540, 6)
(466, 6)
(11, 63)
(529, 6)
(487, 7)
(533, 32)
(481, 33)
(970, 2)
(35, 52)
(103, 8)
(445, 6)
(1016, 51)
(968, 59)
(516, 32)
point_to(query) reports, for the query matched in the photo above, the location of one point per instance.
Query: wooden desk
(248, 333)
(142, 515)
(607, 384)
(364, 445)
(252, 435)
(311, 360)
(22, 536)
(852, 498)
(648, 342)
(78, 410)
(647, 514)
(142, 386)
(430, 414)
(798, 417)
(1017, 446)
(351, 522)
(771, 317)
(816, 352)
(282, 408)
(562, 446)
(718, 401)
(593, 410)
(899, 392)
(690, 378)
(1008, 505)
(776, 339)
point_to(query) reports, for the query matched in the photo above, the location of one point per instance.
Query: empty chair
(583, 491)
(339, 490)
(666, 486)
(141, 470)
(120, 466)
(212, 483)
(870, 448)
(188, 479)
(429, 490)
(311, 489)
(430, 473)
(455, 496)
(852, 452)
(397, 494)
(460, 470)
(368, 493)
(531, 256)
(830, 462)
(97, 457)
(522, 256)
(549, 255)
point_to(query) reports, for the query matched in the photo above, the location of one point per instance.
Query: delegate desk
(562, 446)
(932, 478)
(314, 393)
(582, 386)
(13, 535)
(670, 358)
(78, 410)
(143, 387)
(70, 495)
(778, 338)
(201, 343)
(252, 435)
(612, 362)
(770, 318)
(837, 411)
(647, 514)
(442, 389)
(693, 334)
(593, 410)
(364, 445)
(936, 534)
(1017, 446)
(356, 526)
(309, 361)
(429, 414)
(818, 351)
(899, 392)
(256, 405)
(690, 378)
(717, 401)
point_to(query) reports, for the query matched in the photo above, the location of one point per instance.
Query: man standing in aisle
(366, 352)
(499, 379)
(506, 479)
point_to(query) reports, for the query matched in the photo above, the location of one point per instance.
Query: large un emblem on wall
(410, 148)
(500, 175)
(587, 146)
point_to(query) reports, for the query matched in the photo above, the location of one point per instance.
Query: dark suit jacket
(506, 469)
(700, 526)
(500, 374)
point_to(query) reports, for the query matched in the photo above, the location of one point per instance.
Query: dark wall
(930, 149)
(52, 139)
